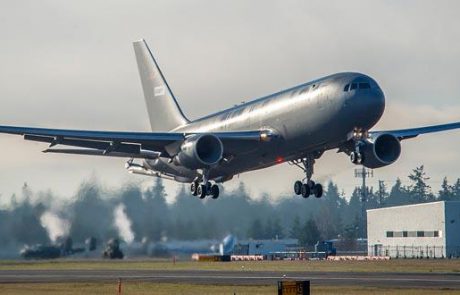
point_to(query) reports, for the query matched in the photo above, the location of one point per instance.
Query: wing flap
(133, 144)
(142, 154)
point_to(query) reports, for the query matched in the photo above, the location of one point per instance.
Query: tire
(318, 190)
(305, 190)
(208, 188)
(201, 191)
(353, 157)
(298, 187)
(194, 188)
(215, 191)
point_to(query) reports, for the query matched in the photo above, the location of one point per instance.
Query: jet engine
(381, 151)
(200, 151)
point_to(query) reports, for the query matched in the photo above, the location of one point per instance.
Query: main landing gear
(307, 187)
(206, 188)
(203, 190)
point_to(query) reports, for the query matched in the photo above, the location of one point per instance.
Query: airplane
(296, 125)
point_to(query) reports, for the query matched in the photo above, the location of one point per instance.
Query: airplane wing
(126, 144)
(413, 132)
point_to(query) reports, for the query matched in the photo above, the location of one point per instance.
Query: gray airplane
(296, 125)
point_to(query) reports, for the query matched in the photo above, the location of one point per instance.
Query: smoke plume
(123, 224)
(54, 225)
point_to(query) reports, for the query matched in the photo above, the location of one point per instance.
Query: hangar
(427, 230)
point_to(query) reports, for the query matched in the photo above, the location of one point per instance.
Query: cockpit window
(353, 86)
(364, 86)
(346, 87)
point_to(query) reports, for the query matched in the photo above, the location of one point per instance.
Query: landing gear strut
(356, 156)
(206, 188)
(307, 187)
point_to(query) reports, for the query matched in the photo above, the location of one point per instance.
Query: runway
(413, 280)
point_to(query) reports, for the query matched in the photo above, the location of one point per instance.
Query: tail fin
(164, 112)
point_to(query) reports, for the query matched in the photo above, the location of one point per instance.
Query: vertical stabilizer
(164, 112)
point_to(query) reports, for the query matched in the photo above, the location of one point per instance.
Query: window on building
(436, 233)
(390, 234)
(398, 234)
(405, 234)
(420, 234)
(411, 234)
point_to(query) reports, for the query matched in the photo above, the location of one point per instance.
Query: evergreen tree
(456, 190)
(310, 234)
(446, 193)
(278, 232)
(419, 190)
(382, 194)
(157, 218)
(268, 229)
(296, 229)
(256, 230)
(398, 194)
(330, 213)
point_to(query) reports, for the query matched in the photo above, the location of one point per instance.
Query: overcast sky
(70, 64)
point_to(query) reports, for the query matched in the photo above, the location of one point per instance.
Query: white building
(415, 231)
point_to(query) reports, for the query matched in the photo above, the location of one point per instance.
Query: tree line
(90, 213)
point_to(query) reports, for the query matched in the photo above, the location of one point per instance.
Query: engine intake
(381, 151)
(200, 151)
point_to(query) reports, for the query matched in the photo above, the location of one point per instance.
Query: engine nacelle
(381, 151)
(200, 151)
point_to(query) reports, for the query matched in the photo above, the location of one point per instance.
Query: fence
(405, 251)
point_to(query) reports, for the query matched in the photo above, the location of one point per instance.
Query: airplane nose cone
(366, 107)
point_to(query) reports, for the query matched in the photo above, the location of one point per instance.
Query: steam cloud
(123, 224)
(54, 225)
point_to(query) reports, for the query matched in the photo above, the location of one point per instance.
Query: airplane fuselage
(312, 117)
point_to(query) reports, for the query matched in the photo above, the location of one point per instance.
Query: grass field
(401, 265)
(163, 289)
(139, 287)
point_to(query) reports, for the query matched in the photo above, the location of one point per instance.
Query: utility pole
(381, 192)
(363, 173)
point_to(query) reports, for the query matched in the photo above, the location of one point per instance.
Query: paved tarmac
(413, 280)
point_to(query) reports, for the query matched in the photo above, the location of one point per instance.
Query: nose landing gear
(307, 187)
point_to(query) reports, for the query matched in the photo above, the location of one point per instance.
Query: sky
(70, 64)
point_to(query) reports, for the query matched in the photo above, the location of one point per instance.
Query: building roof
(415, 205)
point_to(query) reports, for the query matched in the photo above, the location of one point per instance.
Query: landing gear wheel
(208, 188)
(215, 191)
(356, 158)
(201, 191)
(298, 187)
(318, 190)
(194, 188)
(305, 191)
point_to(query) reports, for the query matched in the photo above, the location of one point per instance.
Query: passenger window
(346, 87)
(353, 86)
(364, 86)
